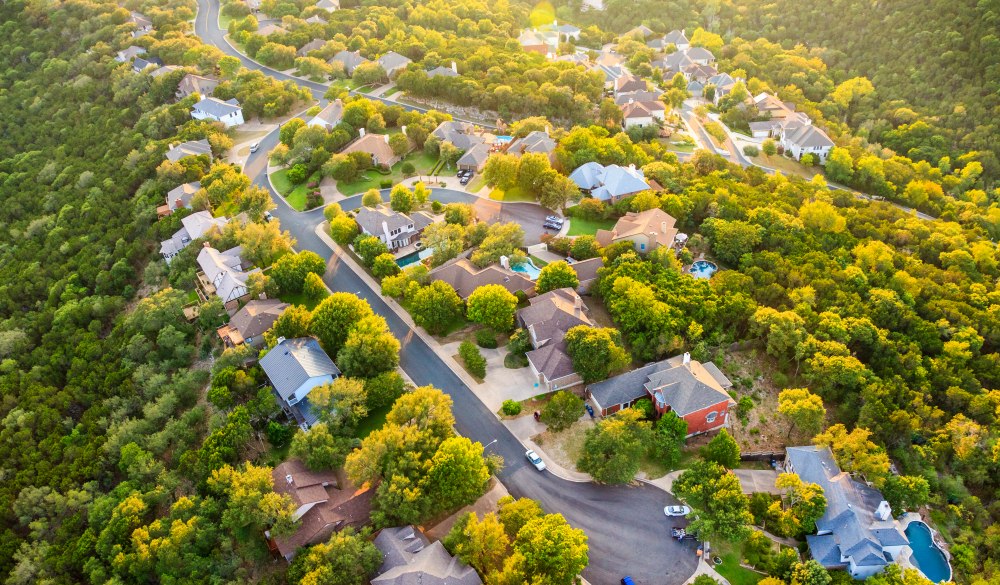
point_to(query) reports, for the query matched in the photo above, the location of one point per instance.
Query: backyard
(371, 179)
(730, 568)
(372, 422)
(588, 227)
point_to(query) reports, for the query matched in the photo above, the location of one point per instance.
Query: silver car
(535, 460)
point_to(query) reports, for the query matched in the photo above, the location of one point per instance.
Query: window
(711, 417)
(642, 246)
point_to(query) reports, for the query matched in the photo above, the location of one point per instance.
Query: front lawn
(477, 183)
(730, 567)
(370, 179)
(295, 195)
(589, 227)
(299, 299)
(514, 194)
(787, 165)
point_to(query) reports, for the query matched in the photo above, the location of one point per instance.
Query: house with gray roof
(190, 148)
(328, 5)
(442, 71)
(223, 275)
(193, 227)
(313, 45)
(294, 367)
(199, 84)
(678, 39)
(248, 325)
(857, 532)
(536, 141)
(180, 196)
(330, 116)
(350, 60)
(700, 55)
(410, 558)
(141, 64)
(586, 272)
(316, 19)
(462, 135)
(693, 391)
(630, 83)
(474, 158)
(229, 112)
(547, 319)
(126, 55)
(393, 63)
(465, 277)
(609, 183)
(395, 230)
(800, 139)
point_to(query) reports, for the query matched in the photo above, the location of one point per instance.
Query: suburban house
(180, 197)
(857, 532)
(699, 55)
(316, 19)
(474, 158)
(645, 113)
(724, 84)
(696, 88)
(536, 141)
(140, 20)
(461, 135)
(222, 274)
(609, 183)
(443, 71)
(610, 72)
(393, 63)
(537, 41)
(191, 84)
(295, 367)
(248, 325)
(271, 29)
(141, 64)
(228, 112)
(325, 502)
(547, 319)
(793, 129)
(193, 227)
(313, 45)
(586, 272)
(252, 5)
(190, 148)
(410, 558)
(624, 98)
(677, 38)
(126, 55)
(647, 230)
(376, 145)
(628, 83)
(465, 277)
(800, 139)
(328, 117)
(699, 73)
(164, 70)
(566, 32)
(642, 32)
(328, 5)
(350, 60)
(395, 230)
(695, 392)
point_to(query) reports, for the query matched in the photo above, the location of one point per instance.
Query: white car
(254, 147)
(535, 460)
(676, 510)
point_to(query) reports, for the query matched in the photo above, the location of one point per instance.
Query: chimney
(386, 138)
(884, 511)
(686, 360)
(663, 227)
(281, 340)
(361, 133)
(546, 130)
(454, 67)
(404, 130)
(288, 478)
(631, 166)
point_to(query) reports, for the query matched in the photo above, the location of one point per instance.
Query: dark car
(464, 180)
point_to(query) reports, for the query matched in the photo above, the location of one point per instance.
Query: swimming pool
(528, 268)
(504, 139)
(703, 269)
(414, 257)
(926, 555)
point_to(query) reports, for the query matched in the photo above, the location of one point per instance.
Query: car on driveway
(535, 460)
(465, 180)
(268, 216)
(627, 581)
(676, 510)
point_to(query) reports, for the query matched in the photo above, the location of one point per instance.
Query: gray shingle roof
(293, 361)
(350, 59)
(443, 71)
(807, 136)
(674, 383)
(257, 316)
(475, 156)
(189, 148)
(393, 60)
(372, 220)
(551, 315)
(676, 37)
(551, 360)
(409, 559)
(217, 108)
(536, 141)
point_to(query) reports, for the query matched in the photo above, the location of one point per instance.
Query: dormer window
(711, 417)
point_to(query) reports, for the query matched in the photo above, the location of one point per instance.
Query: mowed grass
(730, 567)
(295, 195)
(372, 422)
(513, 194)
(589, 227)
(787, 166)
(422, 162)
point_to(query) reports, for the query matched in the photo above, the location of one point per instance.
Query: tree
(348, 558)
(461, 214)
(368, 248)
(255, 201)
(803, 409)
(383, 389)
(732, 239)
(514, 514)
(399, 144)
(807, 503)
(290, 271)
(724, 450)
(585, 247)
(371, 198)
(401, 199)
(612, 449)
(822, 216)
(501, 171)
(810, 573)
(493, 306)
(556, 275)
(548, 547)
(855, 452)
(251, 503)
(562, 410)
(557, 190)
(369, 349)
(849, 92)
(384, 265)
(343, 230)
(483, 544)
(596, 352)
(720, 507)
(333, 318)
(458, 474)
(314, 288)
(905, 492)
(450, 154)
(531, 167)
(340, 404)
(436, 306)
(669, 434)
(293, 322)
(502, 239)
(769, 147)
(287, 133)
(840, 165)
(320, 449)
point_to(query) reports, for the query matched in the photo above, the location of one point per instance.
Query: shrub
(314, 200)
(297, 174)
(559, 245)
(511, 407)
(743, 407)
(751, 150)
(486, 338)
(520, 342)
(280, 435)
(383, 390)
(408, 169)
(590, 208)
(474, 361)
(645, 406)
(562, 411)
(436, 206)
(386, 184)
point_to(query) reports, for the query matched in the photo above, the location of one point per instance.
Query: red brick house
(695, 391)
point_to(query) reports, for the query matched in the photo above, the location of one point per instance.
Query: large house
(248, 325)
(229, 112)
(127, 54)
(395, 230)
(190, 148)
(376, 145)
(191, 84)
(295, 367)
(609, 183)
(328, 5)
(630, 83)
(857, 532)
(536, 141)
(442, 71)
(222, 274)
(647, 230)
(676, 38)
(724, 85)
(542, 42)
(461, 135)
(637, 114)
(193, 227)
(793, 129)
(547, 319)
(465, 277)
(393, 63)
(350, 60)
(695, 392)
(313, 45)
(409, 558)
(586, 273)
(180, 196)
(474, 159)
(325, 502)
(328, 117)
(802, 139)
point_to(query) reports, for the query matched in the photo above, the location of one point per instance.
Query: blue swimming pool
(703, 269)
(414, 257)
(528, 268)
(926, 555)
(504, 139)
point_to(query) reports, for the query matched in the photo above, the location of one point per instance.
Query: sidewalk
(704, 568)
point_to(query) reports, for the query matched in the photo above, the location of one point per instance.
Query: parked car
(465, 180)
(552, 226)
(268, 216)
(627, 581)
(554, 219)
(676, 510)
(254, 147)
(535, 460)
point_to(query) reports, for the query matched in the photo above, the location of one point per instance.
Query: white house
(228, 112)
(609, 183)
(294, 367)
(800, 139)
(330, 116)
(193, 227)
(396, 230)
(678, 39)
(223, 274)
(644, 113)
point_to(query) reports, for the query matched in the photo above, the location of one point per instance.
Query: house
(857, 532)
(328, 5)
(164, 70)
(642, 31)
(695, 392)
(672, 64)
(536, 141)
(140, 64)
(126, 55)
(678, 39)
(350, 60)
(180, 196)
(627, 83)
(328, 117)
(723, 83)
(141, 21)
(193, 227)
(610, 72)
(228, 112)
(636, 96)
(189, 148)
(609, 183)
(442, 71)
(566, 32)
(794, 130)
(461, 135)
(644, 113)
(376, 145)
(325, 502)
(394, 229)
(700, 55)
(700, 73)
(294, 367)
(465, 277)
(547, 319)
(800, 139)
(541, 42)
(315, 19)
(696, 88)
(196, 84)
(474, 159)
(647, 230)
(271, 29)
(409, 558)
(248, 325)
(222, 274)
(586, 272)
(313, 45)
(393, 63)
(252, 5)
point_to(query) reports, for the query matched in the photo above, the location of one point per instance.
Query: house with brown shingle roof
(586, 273)
(191, 83)
(644, 113)
(377, 145)
(547, 319)
(465, 277)
(646, 230)
(249, 324)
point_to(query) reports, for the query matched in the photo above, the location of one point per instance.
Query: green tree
(401, 199)
(596, 352)
(551, 549)
(669, 434)
(585, 247)
(287, 133)
(348, 558)
(343, 230)
(732, 239)
(769, 147)
(514, 514)
(314, 288)
(556, 275)
(807, 503)
(493, 306)
(293, 322)
(724, 450)
(720, 507)
(905, 492)
(371, 198)
(840, 165)
(369, 349)
(458, 474)
(562, 410)
(461, 214)
(333, 318)
(340, 404)
(436, 306)
(384, 265)
(320, 449)
(368, 248)
(855, 452)
(613, 448)
(483, 544)
(399, 144)
(501, 171)
(251, 503)
(810, 573)
(803, 409)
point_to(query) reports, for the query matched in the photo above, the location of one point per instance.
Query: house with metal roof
(609, 183)
(695, 392)
(395, 230)
(294, 367)
(229, 112)
(410, 558)
(857, 532)
(193, 227)
(248, 325)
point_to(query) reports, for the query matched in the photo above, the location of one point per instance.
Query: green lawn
(730, 567)
(476, 184)
(514, 194)
(192, 297)
(372, 422)
(299, 299)
(373, 180)
(294, 194)
(787, 165)
(224, 21)
(538, 261)
(589, 227)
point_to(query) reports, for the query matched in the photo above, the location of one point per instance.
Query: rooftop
(685, 388)
(465, 278)
(293, 361)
